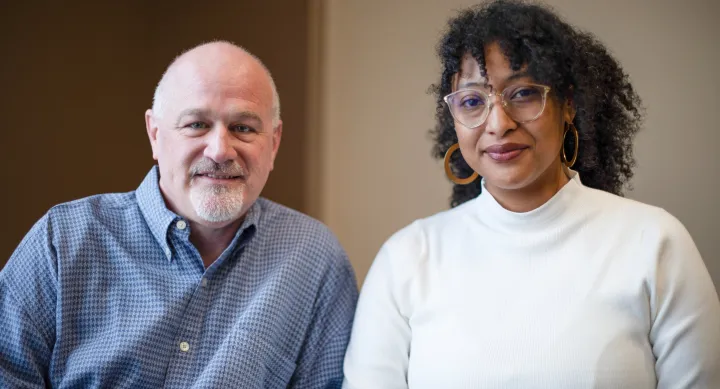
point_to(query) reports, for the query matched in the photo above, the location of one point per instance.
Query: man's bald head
(209, 60)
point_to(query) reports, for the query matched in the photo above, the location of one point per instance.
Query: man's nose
(219, 145)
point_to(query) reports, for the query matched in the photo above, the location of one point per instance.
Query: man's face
(214, 140)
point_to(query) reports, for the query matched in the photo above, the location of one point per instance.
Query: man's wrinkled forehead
(195, 80)
(226, 73)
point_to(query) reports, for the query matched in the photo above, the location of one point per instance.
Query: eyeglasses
(522, 102)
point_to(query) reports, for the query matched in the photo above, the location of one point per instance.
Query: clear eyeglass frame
(503, 102)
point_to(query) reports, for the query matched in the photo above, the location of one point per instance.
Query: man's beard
(217, 203)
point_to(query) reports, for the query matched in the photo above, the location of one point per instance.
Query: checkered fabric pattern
(108, 291)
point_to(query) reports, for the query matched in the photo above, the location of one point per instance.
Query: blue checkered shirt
(108, 291)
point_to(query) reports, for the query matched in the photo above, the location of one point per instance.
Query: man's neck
(533, 196)
(210, 242)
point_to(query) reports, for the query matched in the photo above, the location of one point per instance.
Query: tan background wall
(379, 61)
(76, 78)
(353, 77)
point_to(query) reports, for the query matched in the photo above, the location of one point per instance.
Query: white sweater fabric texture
(590, 290)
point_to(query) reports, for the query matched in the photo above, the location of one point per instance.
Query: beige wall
(77, 77)
(378, 59)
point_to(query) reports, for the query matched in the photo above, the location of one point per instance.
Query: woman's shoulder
(413, 250)
(415, 234)
(412, 244)
(634, 213)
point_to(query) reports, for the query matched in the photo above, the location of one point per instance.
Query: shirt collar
(152, 205)
(159, 217)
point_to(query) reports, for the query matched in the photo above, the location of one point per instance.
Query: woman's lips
(505, 152)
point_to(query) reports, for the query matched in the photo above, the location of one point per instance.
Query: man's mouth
(218, 176)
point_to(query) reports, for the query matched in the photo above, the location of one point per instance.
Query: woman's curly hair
(573, 63)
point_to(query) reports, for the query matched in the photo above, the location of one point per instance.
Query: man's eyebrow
(246, 115)
(191, 112)
(235, 116)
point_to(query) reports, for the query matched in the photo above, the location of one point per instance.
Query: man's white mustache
(207, 166)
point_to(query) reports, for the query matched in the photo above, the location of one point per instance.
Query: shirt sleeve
(321, 358)
(27, 311)
(685, 333)
(379, 350)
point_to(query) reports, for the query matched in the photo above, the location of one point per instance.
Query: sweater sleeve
(379, 349)
(685, 333)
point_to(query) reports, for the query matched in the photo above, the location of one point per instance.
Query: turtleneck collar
(542, 216)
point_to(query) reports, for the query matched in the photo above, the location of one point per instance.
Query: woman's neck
(534, 195)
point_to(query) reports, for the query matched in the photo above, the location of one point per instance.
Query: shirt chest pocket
(256, 363)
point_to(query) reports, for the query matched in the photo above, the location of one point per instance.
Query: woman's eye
(524, 93)
(472, 102)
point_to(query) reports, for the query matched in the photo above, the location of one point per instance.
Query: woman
(541, 276)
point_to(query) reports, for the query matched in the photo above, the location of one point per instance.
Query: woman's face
(508, 154)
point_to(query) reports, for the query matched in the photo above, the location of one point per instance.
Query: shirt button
(181, 225)
(203, 282)
(184, 347)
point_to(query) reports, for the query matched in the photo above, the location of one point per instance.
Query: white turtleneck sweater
(590, 290)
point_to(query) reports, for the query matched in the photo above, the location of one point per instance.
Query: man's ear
(152, 130)
(276, 137)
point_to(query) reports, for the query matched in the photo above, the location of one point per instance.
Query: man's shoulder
(99, 207)
(283, 225)
(104, 201)
(67, 226)
(280, 216)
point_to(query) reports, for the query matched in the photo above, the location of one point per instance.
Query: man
(192, 280)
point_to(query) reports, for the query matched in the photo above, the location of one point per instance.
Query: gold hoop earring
(570, 163)
(448, 170)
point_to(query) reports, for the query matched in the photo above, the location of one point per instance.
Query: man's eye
(197, 125)
(243, 128)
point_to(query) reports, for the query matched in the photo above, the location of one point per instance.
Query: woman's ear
(569, 107)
